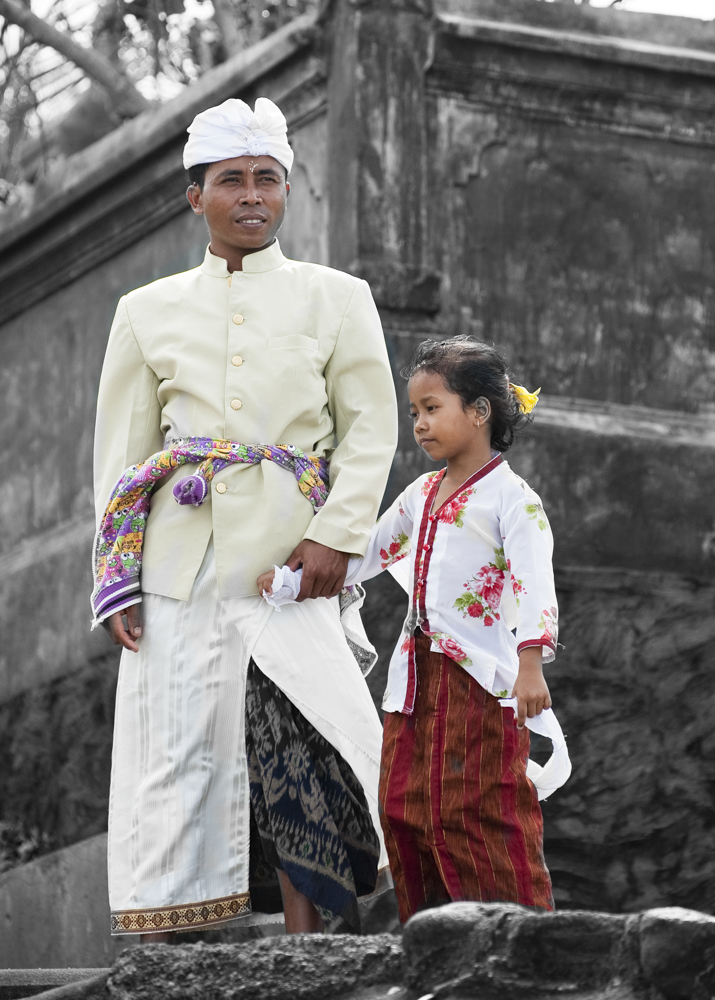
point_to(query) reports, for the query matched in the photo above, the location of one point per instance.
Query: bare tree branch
(226, 21)
(129, 102)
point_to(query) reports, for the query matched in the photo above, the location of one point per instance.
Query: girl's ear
(483, 409)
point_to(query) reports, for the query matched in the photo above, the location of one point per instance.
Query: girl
(461, 819)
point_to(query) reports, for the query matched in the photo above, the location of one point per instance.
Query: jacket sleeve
(528, 548)
(128, 413)
(361, 398)
(390, 541)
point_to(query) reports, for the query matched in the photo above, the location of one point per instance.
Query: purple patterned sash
(118, 545)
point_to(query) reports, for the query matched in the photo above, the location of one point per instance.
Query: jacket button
(236, 404)
(237, 361)
(221, 488)
(238, 319)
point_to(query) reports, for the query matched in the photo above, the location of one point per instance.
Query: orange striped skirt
(461, 819)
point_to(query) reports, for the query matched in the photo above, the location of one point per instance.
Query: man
(246, 742)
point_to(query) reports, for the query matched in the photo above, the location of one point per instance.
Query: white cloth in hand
(286, 584)
(557, 768)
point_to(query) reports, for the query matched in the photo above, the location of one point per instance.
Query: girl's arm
(528, 548)
(389, 542)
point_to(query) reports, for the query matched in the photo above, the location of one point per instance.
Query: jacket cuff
(337, 536)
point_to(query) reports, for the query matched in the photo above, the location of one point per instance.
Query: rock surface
(299, 968)
(462, 951)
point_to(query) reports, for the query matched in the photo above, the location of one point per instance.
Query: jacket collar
(262, 260)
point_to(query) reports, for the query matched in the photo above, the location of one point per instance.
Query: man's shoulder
(163, 289)
(322, 274)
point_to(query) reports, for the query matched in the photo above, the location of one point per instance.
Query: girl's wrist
(530, 658)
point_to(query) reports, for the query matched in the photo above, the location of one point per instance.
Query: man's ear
(194, 195)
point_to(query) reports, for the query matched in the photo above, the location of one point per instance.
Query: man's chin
(252, 241)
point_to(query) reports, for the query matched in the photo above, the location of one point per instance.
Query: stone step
(17, 983)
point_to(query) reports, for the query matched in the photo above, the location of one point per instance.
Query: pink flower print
(428, 483)
(516, 585)
(451, 648)
(396, 550)
(475, 610)
(449, 513)
(453, 512)
(489, 582)
(407, 644)
(488, 620)
(549, 626)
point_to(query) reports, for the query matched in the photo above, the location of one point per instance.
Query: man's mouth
(251, 220)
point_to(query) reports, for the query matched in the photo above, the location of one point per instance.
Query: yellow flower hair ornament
(527, 400)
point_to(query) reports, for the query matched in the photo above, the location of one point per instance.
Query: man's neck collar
(261, 260)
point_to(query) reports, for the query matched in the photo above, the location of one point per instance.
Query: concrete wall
(537, 187)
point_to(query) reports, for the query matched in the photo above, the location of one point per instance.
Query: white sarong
(179, 805)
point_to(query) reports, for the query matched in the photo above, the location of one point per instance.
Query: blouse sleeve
(528, 548)
(389, 542)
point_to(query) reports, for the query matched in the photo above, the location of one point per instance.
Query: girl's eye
(413, 416)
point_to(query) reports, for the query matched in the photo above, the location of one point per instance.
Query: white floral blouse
(479, 567)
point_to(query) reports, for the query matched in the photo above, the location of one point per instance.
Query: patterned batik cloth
(461, 819)
(310, 810)
(120, 538)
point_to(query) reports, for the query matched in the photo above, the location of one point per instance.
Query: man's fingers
(307, 585)
(328, 588)
(119, 635)
(295, 559)
(134, 620)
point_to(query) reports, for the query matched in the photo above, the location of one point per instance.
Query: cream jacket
(282, 352)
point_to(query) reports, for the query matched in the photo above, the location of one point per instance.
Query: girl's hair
(472, 369)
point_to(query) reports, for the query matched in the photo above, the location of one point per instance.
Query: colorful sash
(118, 545)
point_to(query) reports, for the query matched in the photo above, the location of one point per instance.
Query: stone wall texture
(503, 169)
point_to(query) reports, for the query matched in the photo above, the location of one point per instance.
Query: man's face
(243, 201)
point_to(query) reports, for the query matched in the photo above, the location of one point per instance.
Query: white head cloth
(232, 129)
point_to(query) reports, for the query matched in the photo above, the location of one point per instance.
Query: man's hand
(531, 692)
(123, 634)
(265, 582)
(324, 569)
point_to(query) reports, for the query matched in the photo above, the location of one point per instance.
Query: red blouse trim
(425, 546)
(536, 642)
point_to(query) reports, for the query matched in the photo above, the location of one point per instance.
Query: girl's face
(442, 427)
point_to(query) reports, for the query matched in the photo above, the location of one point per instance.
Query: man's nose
(251, 196)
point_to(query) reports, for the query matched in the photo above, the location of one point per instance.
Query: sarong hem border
(182, 917)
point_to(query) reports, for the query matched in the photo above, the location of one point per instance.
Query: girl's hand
(265, 582)
(530, 690)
